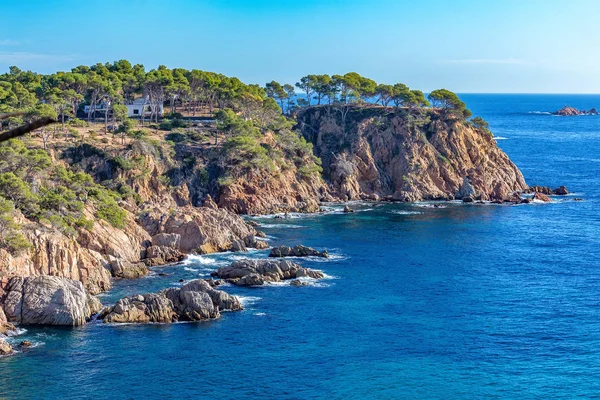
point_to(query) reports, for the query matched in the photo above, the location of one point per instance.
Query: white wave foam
(540, 112)
(248, 300)
(190, 269)
(260, 314)
(499, 138)
(198, 259)
(16, 332)
(404, 212)
(291, 226)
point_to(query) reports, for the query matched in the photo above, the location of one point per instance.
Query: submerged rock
(47, 300)
(194, 301)
(297, 251)
(259, 272)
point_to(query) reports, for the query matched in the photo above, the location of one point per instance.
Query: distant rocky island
(571, 111)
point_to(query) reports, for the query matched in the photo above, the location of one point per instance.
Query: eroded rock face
(202, 230)
(297, 251)
(86, 259)
(194, 301)
(258, 272)
(47, 300)
(421, 156)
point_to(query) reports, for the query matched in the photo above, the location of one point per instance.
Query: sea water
(467, 301)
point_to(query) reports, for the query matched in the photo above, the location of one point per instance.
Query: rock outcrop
(5, 348)
(541, 197)
(47, 300)
(559, 191)
(199, 229)
(259, 272)
(297, 251)
(194, 301)
(571, 111)
(409, 155)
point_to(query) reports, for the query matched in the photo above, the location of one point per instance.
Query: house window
(136, 112)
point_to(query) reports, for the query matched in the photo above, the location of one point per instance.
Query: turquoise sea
(463, 302)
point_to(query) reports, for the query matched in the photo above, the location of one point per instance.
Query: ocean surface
(462, 302)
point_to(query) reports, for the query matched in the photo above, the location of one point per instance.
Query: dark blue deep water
(469, 301)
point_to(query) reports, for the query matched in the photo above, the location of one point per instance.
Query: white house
(141, 107)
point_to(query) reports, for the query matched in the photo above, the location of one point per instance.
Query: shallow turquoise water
(468, 301)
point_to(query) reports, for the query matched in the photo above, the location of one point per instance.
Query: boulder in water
(297, 251)
(347, 209)
(541, 197)
(561, 191)
(194, 301)
(259, 272)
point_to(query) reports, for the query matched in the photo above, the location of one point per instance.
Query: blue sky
(529, 46)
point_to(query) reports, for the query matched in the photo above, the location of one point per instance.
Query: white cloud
(16, 57)
(9, 42)
(510, 61)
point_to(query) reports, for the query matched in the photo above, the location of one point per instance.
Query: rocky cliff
(407, 155)
(159, 223)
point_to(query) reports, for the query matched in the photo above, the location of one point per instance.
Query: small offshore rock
(561, 191)
(25, 343)
(258, 272)
(541, 197)
(297, 251)
(348, 209)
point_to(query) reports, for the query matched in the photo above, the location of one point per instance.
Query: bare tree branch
(23, 129)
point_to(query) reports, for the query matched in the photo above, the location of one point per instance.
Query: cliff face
(371, 152)
(266, 193)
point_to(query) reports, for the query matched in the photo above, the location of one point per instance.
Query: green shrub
(176, 137)
(79, 123)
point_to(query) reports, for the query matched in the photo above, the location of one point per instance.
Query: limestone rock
(347, 209)
(297, 251)
(46, 300)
